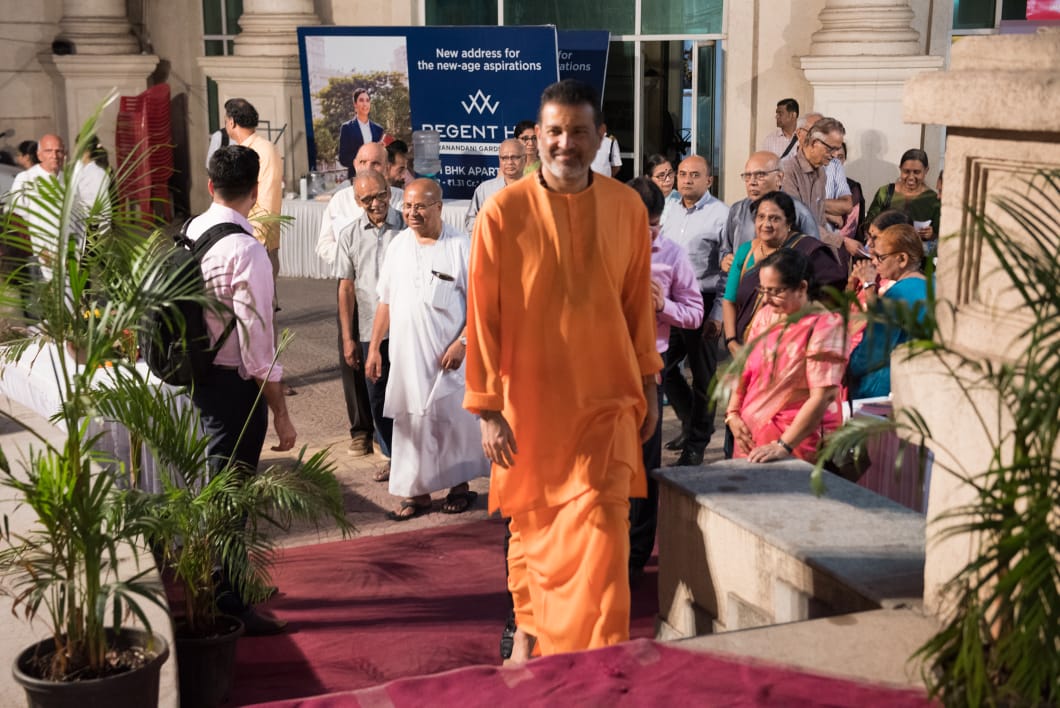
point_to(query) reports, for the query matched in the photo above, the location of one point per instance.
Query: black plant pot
(133, 689)
(206, 664)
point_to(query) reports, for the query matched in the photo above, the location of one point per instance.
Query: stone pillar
(999, 104)
(107, 57)
(858, 63)
(265, 70)
(98, 27)
(267, 27)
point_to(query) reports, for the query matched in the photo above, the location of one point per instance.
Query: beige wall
(348, 13)
(187, 84)
(29, 105)
(764, 37)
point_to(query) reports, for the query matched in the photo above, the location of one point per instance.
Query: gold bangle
(729, 415)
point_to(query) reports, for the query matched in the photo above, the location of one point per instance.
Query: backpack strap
(201, 246)
(890, 197)
(794, 139)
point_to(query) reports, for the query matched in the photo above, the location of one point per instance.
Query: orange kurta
(560, 335)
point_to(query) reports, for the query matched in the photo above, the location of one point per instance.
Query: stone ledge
(744, 544)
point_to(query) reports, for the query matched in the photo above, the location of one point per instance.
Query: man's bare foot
(522, 648)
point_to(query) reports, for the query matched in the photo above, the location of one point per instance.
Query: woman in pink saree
(787, 398)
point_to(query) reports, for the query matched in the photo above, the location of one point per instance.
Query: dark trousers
(354, 386)
(226, 403)
(692, 404)
(644, 513)
(384, 427)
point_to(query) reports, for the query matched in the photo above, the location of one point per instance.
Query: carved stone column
(106, 57)
(267, 27)
(1001, 109)
(265, 70)
(98, 27)
(858, 63)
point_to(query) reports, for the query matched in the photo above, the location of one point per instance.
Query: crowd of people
(538, 345)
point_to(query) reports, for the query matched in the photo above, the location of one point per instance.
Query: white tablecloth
(33, 382)
(298, 257)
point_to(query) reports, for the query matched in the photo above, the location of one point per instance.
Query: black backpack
(174, 341)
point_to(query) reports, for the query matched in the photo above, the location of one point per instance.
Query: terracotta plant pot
(133, 689)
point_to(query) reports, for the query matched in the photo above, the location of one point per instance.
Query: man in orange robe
(561, 360)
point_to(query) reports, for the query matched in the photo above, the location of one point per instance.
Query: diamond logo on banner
(481, 103)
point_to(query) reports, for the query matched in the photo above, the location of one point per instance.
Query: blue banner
(583, 56)
(470, 84)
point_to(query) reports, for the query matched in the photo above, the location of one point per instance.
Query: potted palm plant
(65, 567)
(998, 645)
(203, 521)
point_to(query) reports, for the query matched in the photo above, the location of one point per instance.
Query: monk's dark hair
(233, 171)
(785, 203)
(571, 92)
(650, 194)
(793, 268)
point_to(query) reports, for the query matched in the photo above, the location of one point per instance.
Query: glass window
(1014, 10)
(681, 16)
(615, 16)
(215, 47)
(233, 9)
(618, 94)
(211, 17)
(464, 12)
(973, 14)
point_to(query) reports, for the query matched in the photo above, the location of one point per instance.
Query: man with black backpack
(237, 272)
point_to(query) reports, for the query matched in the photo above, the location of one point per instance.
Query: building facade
(683, 75)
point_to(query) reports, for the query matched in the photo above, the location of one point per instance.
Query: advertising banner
(470, 84)
(583, 56)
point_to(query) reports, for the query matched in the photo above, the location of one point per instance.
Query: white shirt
(43, 228)
(608, 155)
(341, 211)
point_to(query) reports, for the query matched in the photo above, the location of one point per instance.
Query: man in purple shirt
(237, 272)
(678, 303)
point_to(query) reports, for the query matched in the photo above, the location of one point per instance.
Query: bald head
(371, 156)
(693, 179)
(762, 174)
(51, 152)
(423, 208)
(512, 157)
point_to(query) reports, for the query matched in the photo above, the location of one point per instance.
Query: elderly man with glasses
(362, 245)
(761, 174)
(512, 157)
(807, 178)
(423, 310)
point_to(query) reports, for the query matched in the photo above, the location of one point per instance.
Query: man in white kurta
(423, 305)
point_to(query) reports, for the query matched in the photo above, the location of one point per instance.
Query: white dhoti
(436, 443)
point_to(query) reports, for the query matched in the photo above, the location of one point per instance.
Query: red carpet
(638, 673)
(379, 608)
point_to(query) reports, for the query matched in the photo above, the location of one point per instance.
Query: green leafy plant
(1000, 645)
(66, 564)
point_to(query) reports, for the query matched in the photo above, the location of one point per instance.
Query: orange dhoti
(568, 572)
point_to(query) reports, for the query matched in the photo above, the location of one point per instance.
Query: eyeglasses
(756, 176)
(415, 208)
(367, 200)
(832, 149)
(529, 138)
(879, 257)
(511, 158)
(772, 292)
(664, 175)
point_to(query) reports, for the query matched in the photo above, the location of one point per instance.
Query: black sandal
(458, 502)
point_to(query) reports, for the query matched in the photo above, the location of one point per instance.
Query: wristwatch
(463, 340)
(787, 448)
